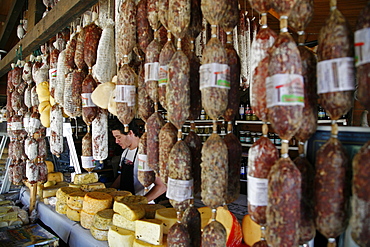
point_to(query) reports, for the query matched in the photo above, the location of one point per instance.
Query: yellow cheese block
(123, 222)
(150, 210)
(149, 230)
(55, 176)
(75, 185)
(134, 199)
(118, 195)
(129, 210)
(62, 193)
(45, 115)
(49, 166)
(107, 190)
(49, 184)
(251, 230)
(119, 237)
(103, 219)
(92, 186)
(168, 217)
(98, 234)
(86, 178)
(86, 220)
(96, 201)
(140, 243)
(52, 190)
(43, 92)
(61, 208)
(73, 214)
(75, 200)
(205, 215)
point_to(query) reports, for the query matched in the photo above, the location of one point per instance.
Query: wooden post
(33, 193)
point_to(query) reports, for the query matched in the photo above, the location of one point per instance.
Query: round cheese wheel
(117, 195)
(62, 193)
(136, 199)
(73, 214)
(61, 208)
(86, 219)
(96, 201)
(75, 200)
(103, 219)
(98, 234)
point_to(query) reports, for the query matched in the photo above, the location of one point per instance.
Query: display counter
(69, 231)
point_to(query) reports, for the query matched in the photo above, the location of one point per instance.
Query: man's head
(125, 139)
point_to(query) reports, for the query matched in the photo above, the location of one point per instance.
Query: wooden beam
(57, 19)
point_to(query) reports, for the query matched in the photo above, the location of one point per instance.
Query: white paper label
(9, 126)
(180, 190)
(362, 46)
(126, 94)
(87, 161)
(163, 75)
(143, 164)
(284, 89)
(17, 126)
(52, 73)
(335, 75)
(214, 75)
(151, 71)
(86, 100)
(257, 191)
(34, 123)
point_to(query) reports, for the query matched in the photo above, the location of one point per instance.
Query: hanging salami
(192, 221)
(146, 175)
(178, 236)
(167, 139)
(56, 130)
(196, 18)
(72, 94)
(146, 108)
(151, 68)
(214, 234)
(79, 52)
(92, 36)
(89, 109)
(154, 124)
(70, 53)
(144, 31)
(61, 76)
(99, 133)
(195, 145)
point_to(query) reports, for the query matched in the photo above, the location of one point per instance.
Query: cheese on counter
(96, 201)
(128, 210)
(168, 217)
(49, 166)
(62, 193)
(98, 234)
(52, 190)
(73, 214)
(55, 176)
(149, 230)
(119, 237)
(75, 200)
(118, 195)
(121, 221)
(107, 190)
(61, 208)
(92, 186)
(150, 210)
(75, 185)
(140, 243)
(103, 219)
(134, 199)
(86, 178)
(86, 220)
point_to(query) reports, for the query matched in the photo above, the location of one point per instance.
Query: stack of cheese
(87, 182)
(12, 216)
(62, 197)
(94, 202)
(74, 204)
(51, 186)
(101, 223)
(134, 223)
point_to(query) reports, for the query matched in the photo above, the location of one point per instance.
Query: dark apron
(127, 174)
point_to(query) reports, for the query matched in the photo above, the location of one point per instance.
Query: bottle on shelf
(241, 111)
(248, 138)
(248, 112)
(203, 115)
(321, 113)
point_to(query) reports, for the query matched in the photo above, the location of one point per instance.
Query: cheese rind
(103, 219)
(119, 237)
(61, 208)
(168, 217)
(52, 190)
(62, 193)
(107, 190)
(92, 186)
(118, 195)
(75, 200)
(149, 230)
(73, 214)
(134, 199)
(128, 210)
(123, 222)
(140, 243)
(55, 176)
(86, 220)
(96, 201)
(98, 234)
(86, 178)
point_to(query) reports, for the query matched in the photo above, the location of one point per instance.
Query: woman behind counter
(127, 178)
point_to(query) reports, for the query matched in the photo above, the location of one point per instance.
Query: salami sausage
(284, 195)
(196, 18)
(301, 14)
(34, 123)
(100, 135)
(89, 109)
(53, 70)
(34, 97)
(72, 94)
(261, 6)
(283, 7)
(146, 175)
(362, 65)
(167, 139)
(178, 17)
(165, 57)
(178, 236)
(195, 145)
(32, 172)
(27, 72)
(42, 152)
(335, 45)
(163, 12)
(61, 76)
(79, 52)
(214, 173)
(17, 77)
(56, 130)
(214, 10)
(87, 145)
(126, 94)
(92, 36)
(70, 54)
(231, 18)
(144, 31)
(331, 196)
(360, 201)
(36, 70)
(152, 11)
(30, 148)
(192, 221)
(180, 177)
(151, 69)
(27, 96)
(214, 234)
(146, 108)
(43, 171)
(19, 172)
(154, 124)
(178, 90)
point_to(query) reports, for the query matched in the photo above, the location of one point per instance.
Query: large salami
(178, 17)
(70, 53)
(178, 236)
(144, 31)
(214, 10)
(167, 139)
(214, 234)
(146, 108)
(360, 201)
(54, 54)
(151, 68)
(61, 76)
(362, 61)
(79, 52)
(152, 11)
(100, 135)
(192, 221)
(196, 18)
(87, 153)
(154, 124)
(145, 174)
(89, 109)
(195, 145)
(72, 94)
(335, 85)
(56, 130)
(92, 36)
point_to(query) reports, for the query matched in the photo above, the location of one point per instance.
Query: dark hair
(117, 125)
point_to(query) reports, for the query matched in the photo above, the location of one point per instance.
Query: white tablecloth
(69, 231)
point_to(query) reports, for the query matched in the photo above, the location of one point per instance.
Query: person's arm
(158, 189)
(116, 183)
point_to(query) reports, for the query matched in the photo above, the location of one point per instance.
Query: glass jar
(242, 137)
(248, 138)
